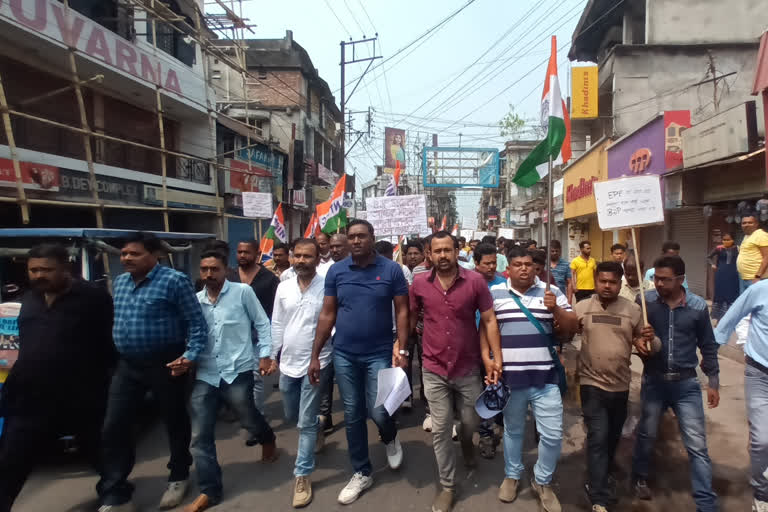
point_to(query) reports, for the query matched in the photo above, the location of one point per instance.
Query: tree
(512, 124)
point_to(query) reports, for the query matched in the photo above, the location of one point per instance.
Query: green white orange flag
(276, 232)
(312, 227)
(557, 142)
(331, 215)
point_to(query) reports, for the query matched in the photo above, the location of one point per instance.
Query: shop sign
(180, 199)
(263, 157)
(733, 132)
(33, 176)
(581, 190)
(640, 152)
(78, 184)
(584, 92)
(241, 179)
(299, 197)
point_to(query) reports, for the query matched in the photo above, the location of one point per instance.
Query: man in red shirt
(449, 296)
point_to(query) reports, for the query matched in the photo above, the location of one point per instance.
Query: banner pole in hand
(639, 274)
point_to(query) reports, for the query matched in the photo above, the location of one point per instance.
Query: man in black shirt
(59, 383)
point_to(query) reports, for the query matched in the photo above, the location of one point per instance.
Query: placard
(398, 215)
(467, 233)
(507, 233)
(257, 205)
(629, 202)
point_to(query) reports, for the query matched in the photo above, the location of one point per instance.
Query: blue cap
(492, 400)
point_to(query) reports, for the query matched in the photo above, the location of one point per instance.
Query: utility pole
(344, 99)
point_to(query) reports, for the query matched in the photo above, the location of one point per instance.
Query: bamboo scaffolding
(22, 196)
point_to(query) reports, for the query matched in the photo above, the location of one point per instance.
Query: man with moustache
(58, 384)
(224, 373)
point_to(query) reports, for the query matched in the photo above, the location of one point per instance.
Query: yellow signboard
(584, 92)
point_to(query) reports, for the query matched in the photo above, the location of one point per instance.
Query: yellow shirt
(750, 258)
(585, 272)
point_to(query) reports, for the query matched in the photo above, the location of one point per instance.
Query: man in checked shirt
(159, 330)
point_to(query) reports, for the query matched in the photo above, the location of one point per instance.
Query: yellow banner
(584, 92)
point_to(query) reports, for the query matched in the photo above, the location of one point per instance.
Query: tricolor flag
(394, 181)
(557, 142)
(443, 223)
(276, 231)
(312, 227)
(331, 215)
(455, 230)
(397, 254)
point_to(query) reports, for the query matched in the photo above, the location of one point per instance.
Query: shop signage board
(33, 176)
(299, 197)
(584, 92)
(733, 132)
(629, 202)
(77, 184)
(257, 205)
(398, 215)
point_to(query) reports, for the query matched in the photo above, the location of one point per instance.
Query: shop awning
(726, 161)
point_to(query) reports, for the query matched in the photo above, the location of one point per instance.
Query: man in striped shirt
(529, 372)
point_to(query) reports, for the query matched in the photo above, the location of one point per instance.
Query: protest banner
(467, 233)
(507, 233)
(630, 203)
(397, 215)
(257, 205)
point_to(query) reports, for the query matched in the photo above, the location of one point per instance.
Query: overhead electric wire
(381, 48)
(337, 18)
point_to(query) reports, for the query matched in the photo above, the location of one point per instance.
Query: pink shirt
(451, 340)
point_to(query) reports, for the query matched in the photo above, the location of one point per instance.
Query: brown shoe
(508, 490)
(547, 497)
(302, 492)
(269, 452)
(444, 501)
(201, 503)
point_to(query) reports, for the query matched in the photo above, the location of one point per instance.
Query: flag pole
(550, 218)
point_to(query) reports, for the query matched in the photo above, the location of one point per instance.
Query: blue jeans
(258, 390)
(301, 401)
(547, 406)
(744, 284)
(357, 377)
(204, 406)
(756, 393)
(684, 397)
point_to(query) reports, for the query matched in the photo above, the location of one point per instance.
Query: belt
(751, 362)
(674, 376)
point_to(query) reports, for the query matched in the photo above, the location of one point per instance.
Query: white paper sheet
(392, 389)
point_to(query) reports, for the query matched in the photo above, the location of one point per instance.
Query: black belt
(674, 376)
(751, 362)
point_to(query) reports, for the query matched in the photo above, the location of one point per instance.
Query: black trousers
(326, 394)
(130, 383)
(27, 439)
(604, 416)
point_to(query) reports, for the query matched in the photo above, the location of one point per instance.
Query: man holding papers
(449, 296)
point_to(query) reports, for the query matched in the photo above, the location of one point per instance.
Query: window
(172, 38)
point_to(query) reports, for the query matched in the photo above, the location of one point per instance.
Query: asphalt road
(67, 486)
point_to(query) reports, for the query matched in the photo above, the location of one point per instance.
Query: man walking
(753, 302)
(359, 291)
(559, 268)
(610, 326)
(280, 259)
(681, 320)
(583, 267)
(59, 381)
(159, 331)
(527, 314)
(225, 372)
(449, 297)
(414, 254)
(297, 308)
(339, 250)
(752, 262)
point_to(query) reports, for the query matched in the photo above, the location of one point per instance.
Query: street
(250, 485)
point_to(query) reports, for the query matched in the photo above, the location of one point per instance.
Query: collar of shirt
(536, 284)
(378, 260)
(683, 303)
(149, 277)
(204, 292)
(460, 276)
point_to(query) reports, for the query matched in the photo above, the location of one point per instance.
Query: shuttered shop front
(689, 229)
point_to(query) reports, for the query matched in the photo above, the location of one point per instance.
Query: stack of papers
(392, 389)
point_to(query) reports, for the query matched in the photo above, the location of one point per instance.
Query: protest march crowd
(483, 321)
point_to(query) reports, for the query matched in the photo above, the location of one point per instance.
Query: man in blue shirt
(225, 372)
(753, 302)
(681, 320)
(359, 291)
(561, 270)
(159, 331)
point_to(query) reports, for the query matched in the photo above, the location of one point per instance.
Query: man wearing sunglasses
(681, 320)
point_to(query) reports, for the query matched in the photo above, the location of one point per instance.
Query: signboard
(733, 132)
(398, 215)
(507, 233)
(629, 202)
(584, 92)
(675, 122)
(33, 176)
(78, 184)
(9, 333)
(394, 149)
(467, 233)
(263, 157)
(51, 20)
(241, 179)
(326, 174)
(181, 198)
(299, 197)
(257, 205)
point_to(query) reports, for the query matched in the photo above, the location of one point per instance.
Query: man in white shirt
(298, 303)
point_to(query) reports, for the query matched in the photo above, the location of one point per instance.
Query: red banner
(34, 176)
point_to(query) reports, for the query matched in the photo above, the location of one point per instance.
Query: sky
(461, 78)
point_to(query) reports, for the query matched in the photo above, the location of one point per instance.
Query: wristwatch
(404, 353)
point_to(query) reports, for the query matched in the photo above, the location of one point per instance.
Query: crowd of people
(485, 321)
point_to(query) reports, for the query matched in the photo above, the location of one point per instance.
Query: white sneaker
(427, 425)
(174, 494)
(395, 454)
(355, 488)
(759, 506)
(454, 433)
(125, 507)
